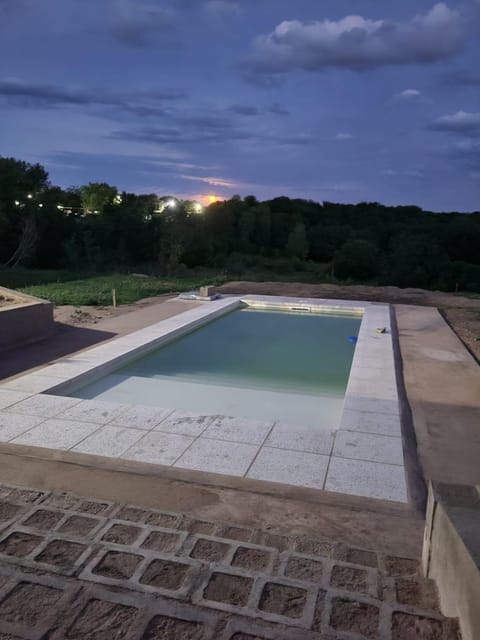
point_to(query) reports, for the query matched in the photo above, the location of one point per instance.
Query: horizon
(344, 103)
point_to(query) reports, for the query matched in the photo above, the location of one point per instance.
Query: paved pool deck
(441, 380)
(363, 457)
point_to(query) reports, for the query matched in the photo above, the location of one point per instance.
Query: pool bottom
(312, 411)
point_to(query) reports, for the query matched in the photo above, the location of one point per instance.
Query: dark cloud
(357, 43)
(461, 122)
(138, 24)
(460, 78)
(222, 8)
(180, 135)
(278, 110)
(141, 103)
(244, 110)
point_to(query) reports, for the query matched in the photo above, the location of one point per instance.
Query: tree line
(96, 228)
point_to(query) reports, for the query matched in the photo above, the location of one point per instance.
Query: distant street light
(29, 196)
(17, 203)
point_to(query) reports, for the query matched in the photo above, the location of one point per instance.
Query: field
(70, 288)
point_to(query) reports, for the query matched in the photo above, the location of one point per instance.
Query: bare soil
(5, 301)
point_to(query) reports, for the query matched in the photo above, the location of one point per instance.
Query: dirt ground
(89, 315)
(462, 313)
(8, 302)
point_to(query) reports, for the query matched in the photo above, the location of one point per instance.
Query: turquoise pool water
(249, 363)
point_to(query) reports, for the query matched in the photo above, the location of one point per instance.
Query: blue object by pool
(353, 339)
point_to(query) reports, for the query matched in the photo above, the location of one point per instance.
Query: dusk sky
(338, 100)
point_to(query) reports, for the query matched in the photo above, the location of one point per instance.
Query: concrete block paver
(131, 580)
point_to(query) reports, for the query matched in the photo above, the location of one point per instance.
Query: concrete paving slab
(139, 417)
(368, 446)
(290, 467)
(218, 456)
(93, 411)
(56, 434)
(368, 422)
(9, 397)
(109, 441)
(44, 405)
(13, 425)
(238, 430)
(293, 438)
(361, 478)
(185, 423)
(158, 448)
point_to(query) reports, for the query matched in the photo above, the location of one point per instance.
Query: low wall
(451, 552)
(26, 319)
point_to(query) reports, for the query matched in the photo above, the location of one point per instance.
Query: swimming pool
(261, 364)
(291, 408)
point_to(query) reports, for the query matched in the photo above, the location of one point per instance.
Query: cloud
(222, 8)
(244, 110)
(214, 182)
(459, 122)
(343, 136)
(141, 102)
(460, 78)
(415, 172)
(138, 24)
(278, 110)
(358, 43)
(408, 94)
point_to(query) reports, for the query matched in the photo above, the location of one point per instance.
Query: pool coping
(371, 399)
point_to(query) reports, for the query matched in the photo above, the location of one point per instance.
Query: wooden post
(114, 298)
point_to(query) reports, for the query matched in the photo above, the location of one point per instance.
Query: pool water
(257, 364)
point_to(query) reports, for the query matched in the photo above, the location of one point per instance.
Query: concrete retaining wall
(27, 319)
(451, 552)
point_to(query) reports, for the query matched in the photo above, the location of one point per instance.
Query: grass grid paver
(74, 567)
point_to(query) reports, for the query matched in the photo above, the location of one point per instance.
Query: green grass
(97, 290)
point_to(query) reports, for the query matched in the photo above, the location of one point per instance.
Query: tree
(20, 179)
(297, 244)
(357, 259)
(97, 195)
